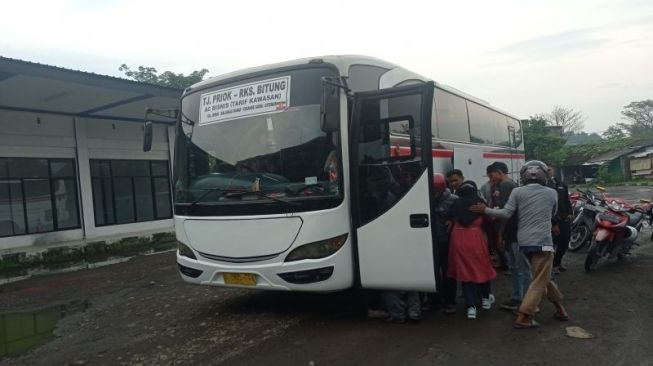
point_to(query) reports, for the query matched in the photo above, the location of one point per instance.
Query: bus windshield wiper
(260, 194)
(208, 191)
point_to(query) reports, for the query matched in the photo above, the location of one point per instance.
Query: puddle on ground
(20, 332)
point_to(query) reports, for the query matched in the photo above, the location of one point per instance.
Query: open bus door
(391, 170)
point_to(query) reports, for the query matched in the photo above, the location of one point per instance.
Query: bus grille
(238, 260)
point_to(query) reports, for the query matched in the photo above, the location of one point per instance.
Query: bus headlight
(185, 250)
(318, 249)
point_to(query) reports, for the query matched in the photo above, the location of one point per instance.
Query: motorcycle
(586, 206)
(617, 228)
(647, 208)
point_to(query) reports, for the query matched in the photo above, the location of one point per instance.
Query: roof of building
(584, 158)
(33, 87)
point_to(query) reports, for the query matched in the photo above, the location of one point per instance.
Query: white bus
(315, 174)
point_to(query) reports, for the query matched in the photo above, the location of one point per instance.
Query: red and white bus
(314, 174)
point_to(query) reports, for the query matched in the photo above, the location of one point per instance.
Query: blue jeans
(521, 271)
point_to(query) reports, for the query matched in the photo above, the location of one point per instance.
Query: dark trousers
(561, 242)
(447, 286)
(374, 299)
(471, 292)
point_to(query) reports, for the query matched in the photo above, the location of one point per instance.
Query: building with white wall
(72, 167)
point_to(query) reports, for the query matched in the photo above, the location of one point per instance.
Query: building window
(126, 191)
(37, 196)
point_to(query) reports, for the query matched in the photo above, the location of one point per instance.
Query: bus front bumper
(332, 273)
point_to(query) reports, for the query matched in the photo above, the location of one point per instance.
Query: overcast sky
(595, 56)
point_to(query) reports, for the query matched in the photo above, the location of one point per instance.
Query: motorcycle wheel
(593, 256)
(580, 234)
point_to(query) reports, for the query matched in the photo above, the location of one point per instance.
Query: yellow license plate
(245, 279)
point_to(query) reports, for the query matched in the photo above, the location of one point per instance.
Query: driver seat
(633, 218)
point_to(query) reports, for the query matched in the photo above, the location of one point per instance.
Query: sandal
(533, 324)
(561, 317)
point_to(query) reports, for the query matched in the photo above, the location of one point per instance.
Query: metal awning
(37, 88)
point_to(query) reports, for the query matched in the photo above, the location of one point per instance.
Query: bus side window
(515, 132)
(481, 123)
(451, 117)
(364, 77)
(501, 130)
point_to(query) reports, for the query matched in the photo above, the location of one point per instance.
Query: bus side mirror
(329, 111)
(147, 136)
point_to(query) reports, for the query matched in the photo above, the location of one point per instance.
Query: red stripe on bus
(442, 153)
(439, 153)
(436, 153)
(503, 156)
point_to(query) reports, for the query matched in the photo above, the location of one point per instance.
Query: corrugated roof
(611, 155)
(60, 91)
(585, 159)
(87, 73)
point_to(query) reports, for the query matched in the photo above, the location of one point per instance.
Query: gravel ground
(141, 313)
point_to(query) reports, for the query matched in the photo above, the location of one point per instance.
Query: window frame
(51, 179)
(111, 178)
(410, 135)
(437, 119)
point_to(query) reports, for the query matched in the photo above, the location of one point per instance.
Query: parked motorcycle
(586, 206)
(647, 208)
(617, 229)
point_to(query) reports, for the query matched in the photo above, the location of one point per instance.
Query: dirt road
(140, 312)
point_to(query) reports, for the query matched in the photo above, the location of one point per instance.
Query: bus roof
(343, 62)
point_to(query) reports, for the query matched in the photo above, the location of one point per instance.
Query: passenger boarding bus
(315, 174)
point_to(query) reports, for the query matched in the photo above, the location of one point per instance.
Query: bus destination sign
(261, 97)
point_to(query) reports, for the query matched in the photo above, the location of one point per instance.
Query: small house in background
(620, 165)
(614, 163)
(574, 170)
(641, 163)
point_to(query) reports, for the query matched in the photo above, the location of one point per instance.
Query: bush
(14, 265)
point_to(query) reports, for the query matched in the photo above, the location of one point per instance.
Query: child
(469, 260)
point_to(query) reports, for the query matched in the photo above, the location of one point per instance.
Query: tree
(540, 143)
(639, 118)
(147, 74)
(569, 119)
(577, 138)
(614, 132)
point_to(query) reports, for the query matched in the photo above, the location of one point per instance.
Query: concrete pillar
(84, 173)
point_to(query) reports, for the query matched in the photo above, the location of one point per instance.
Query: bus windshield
(255, 146)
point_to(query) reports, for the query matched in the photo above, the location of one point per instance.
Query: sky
(524, 57)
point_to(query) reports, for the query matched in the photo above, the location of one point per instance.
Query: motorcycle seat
(634, 218)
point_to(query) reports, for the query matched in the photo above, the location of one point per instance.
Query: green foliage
(639, 118)
(90, 253)
(605, 176)
(582, 138)
(540, 143)
(146, 74)
(588, 151)
(613, 133)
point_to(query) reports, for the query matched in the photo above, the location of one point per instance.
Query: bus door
(391, 169)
